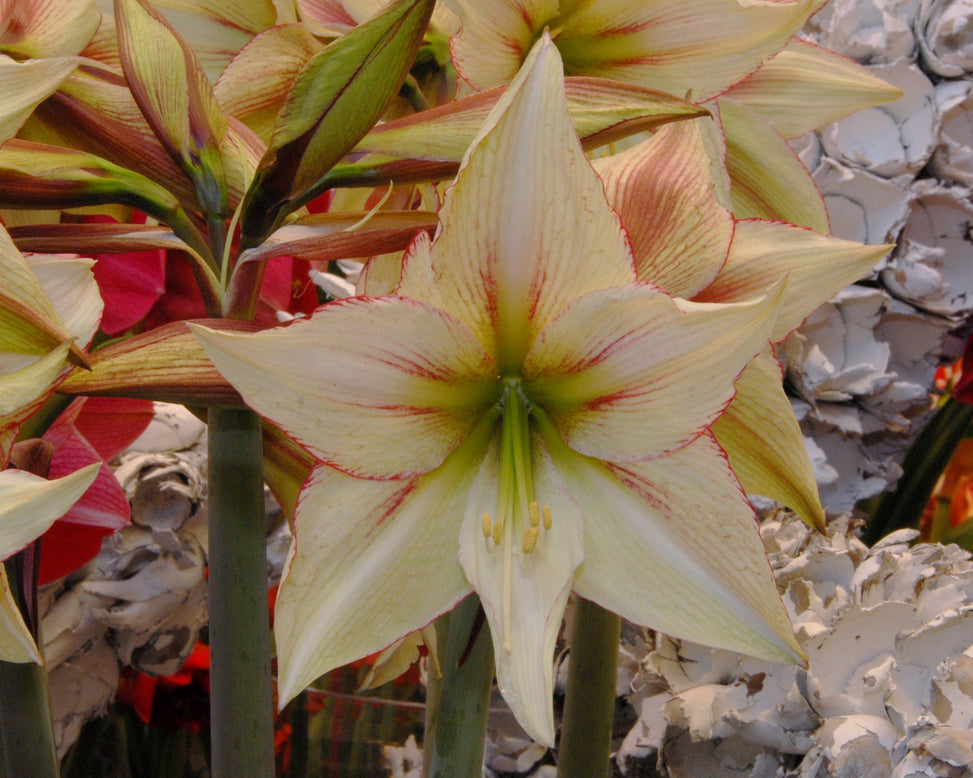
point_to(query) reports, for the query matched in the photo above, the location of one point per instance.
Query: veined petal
(16, 643)
(25, 84)
(768, 181)
(70, 285)
(817, 267)
(763, 441)
(668, 44)
(684, 523)
(663, 190)
(391, 386)
(629, 373)
(495, 37)
(513, 247)
(255, 83)
(24, 385)
(523, 591)
(22, 287)
(47, 28)
(372, 561)
(805, 87)
(30, 504)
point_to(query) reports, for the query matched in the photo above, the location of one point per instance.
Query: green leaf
(335, 100)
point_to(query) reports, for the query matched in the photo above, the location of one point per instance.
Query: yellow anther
(548, 520)
(497, 531)
(487, 525)
(535, 514)
(530, 539)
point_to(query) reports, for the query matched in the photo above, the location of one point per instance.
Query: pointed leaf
(175, 97)
(336, 98)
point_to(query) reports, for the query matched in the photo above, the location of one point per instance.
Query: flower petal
(629, 373)
(22, 386)
(377, 387)
(30, 504)
(523, 594)
(769, 181)
(25, 84)
(663, 191)
(513, 247)
(372, 561)
(684, 523)
(816, 266)
(47, 28)
(805, 87)
(764, 443)
(70, 285)
(673, 46)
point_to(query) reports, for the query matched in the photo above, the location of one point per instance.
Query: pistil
(518, 514)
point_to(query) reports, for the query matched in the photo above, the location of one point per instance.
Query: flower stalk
(241, 704)
(458, 704)
(26, 731)
(589, 708)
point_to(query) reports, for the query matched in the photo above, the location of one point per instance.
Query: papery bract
(525, 403)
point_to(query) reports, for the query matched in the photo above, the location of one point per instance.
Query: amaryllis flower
(687, 242)
(669, 44)
(523, 418)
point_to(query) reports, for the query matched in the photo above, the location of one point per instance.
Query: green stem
(589, 707)
(241, 705)
(457, 705)
(26, 732)
(926, 458)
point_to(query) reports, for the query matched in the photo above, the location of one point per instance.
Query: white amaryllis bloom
(523, 418)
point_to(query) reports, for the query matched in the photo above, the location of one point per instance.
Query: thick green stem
(589, 707)
(25, 721)
(457, 705)
(241, 704)
(26, 732)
